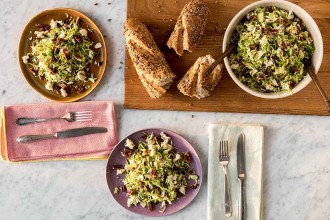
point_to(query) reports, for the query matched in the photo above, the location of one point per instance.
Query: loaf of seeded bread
(149, 62)
(189, 27)
(195, 83)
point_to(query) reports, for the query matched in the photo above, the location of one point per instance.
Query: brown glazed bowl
(25, 46)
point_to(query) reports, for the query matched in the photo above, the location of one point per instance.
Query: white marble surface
(297, 148)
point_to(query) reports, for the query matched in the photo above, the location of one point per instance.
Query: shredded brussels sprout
(62, 55)
(274, 48)
(155, 172)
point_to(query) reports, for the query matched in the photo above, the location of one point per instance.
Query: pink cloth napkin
(94, 146)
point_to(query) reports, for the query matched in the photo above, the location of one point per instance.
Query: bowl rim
(277, 3)
(22, 41)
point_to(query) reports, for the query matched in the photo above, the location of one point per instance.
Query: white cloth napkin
(254, 163)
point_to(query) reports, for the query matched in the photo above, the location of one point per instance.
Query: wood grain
(160, 17)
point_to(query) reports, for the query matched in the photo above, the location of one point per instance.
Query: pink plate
(116, 158)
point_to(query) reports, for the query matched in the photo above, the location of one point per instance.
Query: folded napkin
(94, 146)
(254, 164)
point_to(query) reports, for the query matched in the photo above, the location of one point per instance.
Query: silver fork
(224, 160)
(69, 117)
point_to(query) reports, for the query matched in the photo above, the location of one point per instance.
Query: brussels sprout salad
(155, 172)
(62, 55)
(273, 50)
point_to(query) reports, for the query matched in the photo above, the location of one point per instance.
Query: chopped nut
(77, 38)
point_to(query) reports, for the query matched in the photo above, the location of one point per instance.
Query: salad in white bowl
(276, 40)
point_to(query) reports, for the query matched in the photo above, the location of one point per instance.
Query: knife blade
(241, 157)
(241, 174)
(76, 132)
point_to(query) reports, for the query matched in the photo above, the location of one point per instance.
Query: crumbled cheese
(81, 75)
(152, 148)
(91, 54)
(177, 157)
(285, 85)
(53, 76)
(49, 86)
(115, 191)
(129, 143)
(272, 17)
(269, 63)
(193, 177)
(234, 66)
(40, 34)
(83, 32)
(182, 190)
(172, 179)
(165, 138)
(98, 45)
(120, 171)
(133, 200)
(25, 59)
(261, 17)
(64, 93)
(140, 177)
(274, 82)
(53, 23)
(62, 35)
(269, 87)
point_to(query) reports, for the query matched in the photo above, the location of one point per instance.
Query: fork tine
(82, 116)
(220, 143)
(84, 120)
(77, 116)
(83, 112)
(226, 148)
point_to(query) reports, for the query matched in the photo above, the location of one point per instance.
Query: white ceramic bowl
(311, 27)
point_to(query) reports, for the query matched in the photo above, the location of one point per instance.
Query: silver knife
(241, 174)
(63, 134)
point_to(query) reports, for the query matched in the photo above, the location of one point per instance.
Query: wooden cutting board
(160, 17)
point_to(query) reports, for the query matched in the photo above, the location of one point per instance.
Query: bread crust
(149, 62)
(189, 28)
(195, 83)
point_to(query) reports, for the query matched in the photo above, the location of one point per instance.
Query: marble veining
(297, 148)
